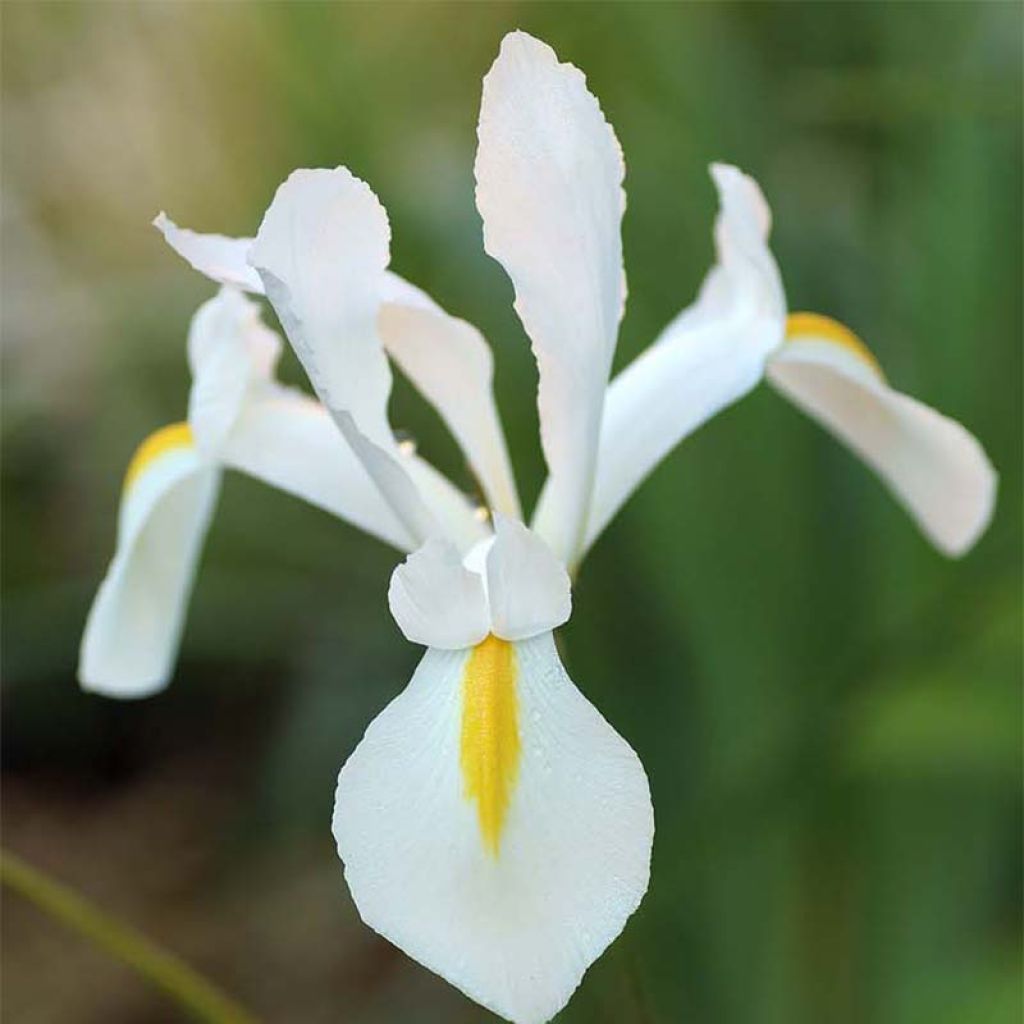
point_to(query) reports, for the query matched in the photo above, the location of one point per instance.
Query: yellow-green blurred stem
(193, 993)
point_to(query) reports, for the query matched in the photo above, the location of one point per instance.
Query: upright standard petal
(437, 601)
(934, 467)
(549, 174)
(321, 252)
(132, 632)
(218, 257)
(527, 587)
(495, 827)
(449, 363)
(710, 356)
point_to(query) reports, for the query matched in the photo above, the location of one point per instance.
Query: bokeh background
(829, 711)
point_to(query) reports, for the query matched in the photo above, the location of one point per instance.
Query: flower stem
(202, 1000)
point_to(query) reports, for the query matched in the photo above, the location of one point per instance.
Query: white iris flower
(491, 823)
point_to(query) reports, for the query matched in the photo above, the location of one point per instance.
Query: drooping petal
(436, 601)
(708, 357)
(222, 259)
(495, 827)
(549, 174)
(231, 352)
(449, 363)
(934, 467)
(321, 252)
(132, 632)
(527, 587)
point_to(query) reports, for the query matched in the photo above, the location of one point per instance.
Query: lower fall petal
(131, 635)
(932, 465)
(495, 827)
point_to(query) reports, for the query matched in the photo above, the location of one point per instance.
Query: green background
(828, 710)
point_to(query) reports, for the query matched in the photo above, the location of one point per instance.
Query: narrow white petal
(321, 252)
(436, 601)
(527, 587)
(514, 919)
(934, 467)
(133, 629)
(449, 350)
(449, 363)
(230, 352)
(712, 354)
(289, 441)
(222, 259)
(549, 174)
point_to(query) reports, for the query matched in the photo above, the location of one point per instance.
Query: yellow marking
(490, 734)
(814, 325)
(176, 435)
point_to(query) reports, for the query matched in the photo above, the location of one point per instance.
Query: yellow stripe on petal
(814, 326)
(170, 438)
(490, 734)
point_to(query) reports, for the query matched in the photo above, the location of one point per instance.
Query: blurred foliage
(829, 712)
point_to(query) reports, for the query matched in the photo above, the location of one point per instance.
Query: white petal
(132, 632)
(934, 467)
(242, 418)
(549, 189)
(527, 587)
(289, 441)
(220, 258)
(449, 363)
(230, 351)
(513, 924)
(321, 251)
(436, 601)
(712, 354)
